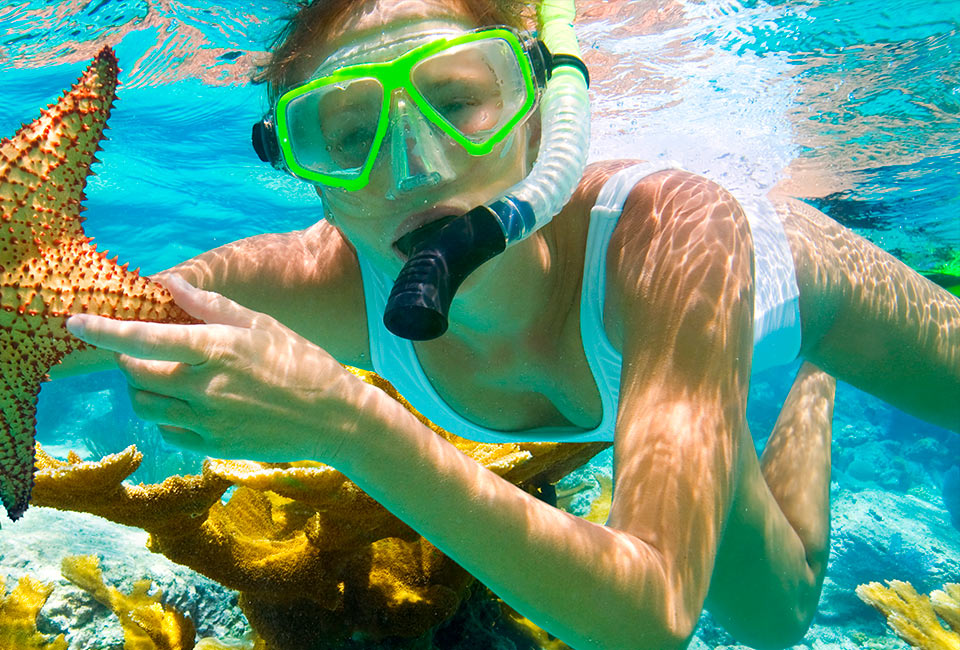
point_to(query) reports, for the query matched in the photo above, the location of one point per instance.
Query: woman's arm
(592, 586)
(688, 478)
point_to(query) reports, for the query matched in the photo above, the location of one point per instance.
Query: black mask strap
(264, 139)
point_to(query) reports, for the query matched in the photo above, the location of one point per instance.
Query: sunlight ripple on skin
(921, 333)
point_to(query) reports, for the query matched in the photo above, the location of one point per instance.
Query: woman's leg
(870, 320)
(772, 561)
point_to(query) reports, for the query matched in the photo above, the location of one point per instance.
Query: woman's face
(420, 174)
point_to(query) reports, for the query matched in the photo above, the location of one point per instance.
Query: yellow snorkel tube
(442, 257)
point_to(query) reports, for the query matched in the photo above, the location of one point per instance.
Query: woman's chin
(478, 280)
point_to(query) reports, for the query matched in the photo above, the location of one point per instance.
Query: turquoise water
(854, 103)
(862, 97)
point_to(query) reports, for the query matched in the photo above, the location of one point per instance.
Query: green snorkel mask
(474, 87)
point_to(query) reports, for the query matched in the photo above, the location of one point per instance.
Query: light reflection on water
(853, 103)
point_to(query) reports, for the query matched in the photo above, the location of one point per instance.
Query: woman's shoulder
(675, 231)
(651, 202)
(651, 199)
(637, 179)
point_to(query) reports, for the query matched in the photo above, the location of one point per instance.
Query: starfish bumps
(48, 268)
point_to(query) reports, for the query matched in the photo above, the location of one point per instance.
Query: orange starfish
(48, 268)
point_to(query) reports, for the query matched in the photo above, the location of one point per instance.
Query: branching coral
(98, 488)
(18, 616)
(316, 560)
(946, 602)
(146, 623)
(537, 637)
(914, 616)
(217, 644)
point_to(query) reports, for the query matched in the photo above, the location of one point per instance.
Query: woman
(697, 519)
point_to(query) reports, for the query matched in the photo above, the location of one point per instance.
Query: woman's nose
(417, 149)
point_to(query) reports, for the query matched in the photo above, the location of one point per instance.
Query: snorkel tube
(444, 253)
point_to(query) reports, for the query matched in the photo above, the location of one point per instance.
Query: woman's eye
(354, 142)
(348, 145)
(457, 104)
(356, 138)
(471, 114)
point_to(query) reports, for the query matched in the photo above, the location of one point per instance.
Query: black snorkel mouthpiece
(440, 259)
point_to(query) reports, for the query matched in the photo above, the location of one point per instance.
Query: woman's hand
(239, 386)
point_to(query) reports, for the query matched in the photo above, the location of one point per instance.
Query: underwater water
(853, 105)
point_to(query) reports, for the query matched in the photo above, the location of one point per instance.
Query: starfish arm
(49, 269)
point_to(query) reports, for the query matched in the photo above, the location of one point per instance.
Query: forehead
(373, 20)
(377, 15)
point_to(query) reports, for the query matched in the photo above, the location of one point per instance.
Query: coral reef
(315, 559)
(147, 624)
(216, 644)
(914, 616)
(485, 621)
(18, 615)
(535, 636)
(48, 268)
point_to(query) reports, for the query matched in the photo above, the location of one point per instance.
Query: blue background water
(852, 103)
(859, 98)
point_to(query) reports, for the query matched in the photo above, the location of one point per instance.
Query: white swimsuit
(776, 333)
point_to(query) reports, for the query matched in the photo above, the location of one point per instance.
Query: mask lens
(474, 87)
(332, 127)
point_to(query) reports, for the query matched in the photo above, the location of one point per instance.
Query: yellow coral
(946, 602)
(913, 617)
(298, 540)
(526, 628)
(18, 617)
(599, 507)
(147, 625)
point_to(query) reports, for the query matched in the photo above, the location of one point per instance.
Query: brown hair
(312, 19)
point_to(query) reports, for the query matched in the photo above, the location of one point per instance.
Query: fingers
(161, 341)
(208, 306)
(162, 377)
(182, 438)
(175, 417)
(162, 409)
